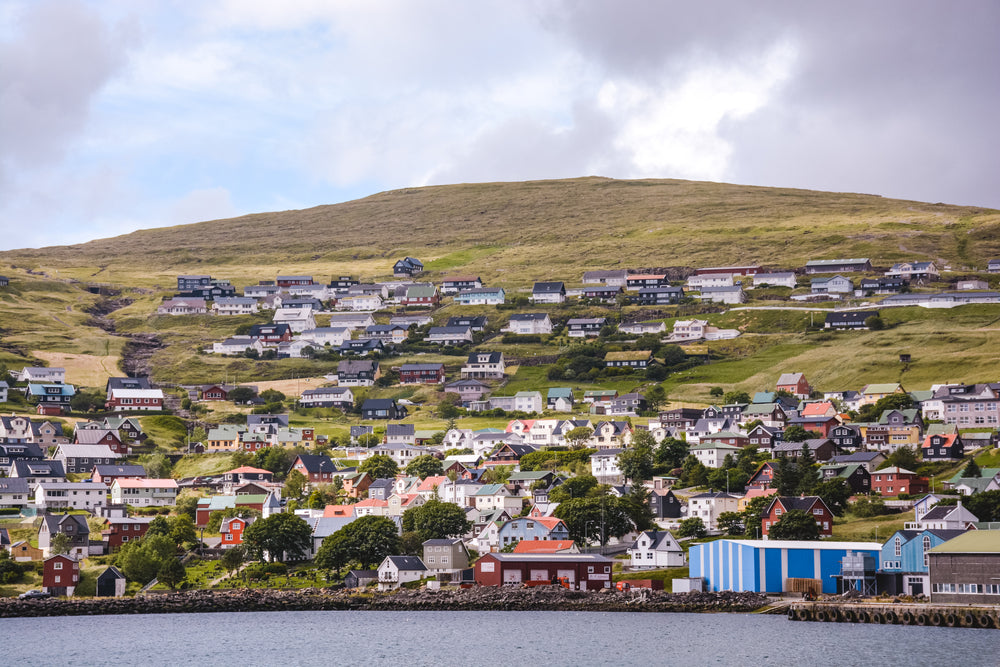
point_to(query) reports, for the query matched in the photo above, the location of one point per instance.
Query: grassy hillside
(513, 233)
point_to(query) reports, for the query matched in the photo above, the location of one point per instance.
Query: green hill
(513, 233)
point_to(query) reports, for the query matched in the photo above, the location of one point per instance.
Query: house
(963, 569)
(709, 505)
(548, 292)
(327, 397)
(894, 481)
(604, 466)
(144, 492)
(581, 327)
(942, 447)
(123, 529)
(602, 293)
(235, 305)
(966, 406)
(83, 458)
(639, 359)
(822, 449)
(455, 284)
(60, 575)
(14, 493)
(664, 504)
(848, 319)
(360, 578)
(528, 529)
(361, 373)
(182, 306)
(445, 556)
(783, 279)
(449, 335)
(611, 435)
(496, 497)
(42, 375)
(812, 505)
(795, 384)
(425, 296)
(107, 473)
(697, 282)
(421, 374)
(643, 328)
(111, 583)
(387, 333)
(855, 474)
(559, 399)
(917, 272)
(474, 322)
(658, 296)
(712, 454)
(546, 547)
(50, 398)
(34, 472)
(655, 549)
(689, 330)
(23, 552)
(832, 285)
(294, 281)
(870, 286)
(860, 265)
(400, 434)
(481, 296)
(525, 324)
(484, 366)
(468, 390)
(4, 388)
(326, 336)
(382, 408)
(407, 267)
(728, 295)
(637, 281)
(993, 266)
(361, 346)
(612, 278)
(73, 526)
(626, 404)
(945, 517)
(395, 571)
(274, 333)
(101, 436)
(845, 437)
(904, 561)
(585, 572)
(218, 503)
(359, 302)
(232, 529)
(870, 461)
(131, 398)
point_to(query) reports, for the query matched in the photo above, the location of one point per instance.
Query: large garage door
(512, 576)
(570, 575)
(539, 575)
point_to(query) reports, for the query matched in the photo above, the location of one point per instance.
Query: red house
(123, 529)
(421, 374)
(216, 392)
(795, 384)
(101, 436)
(60, 575)
(894, 481)
(762, 478)
(232, 531)
(291, 281)
(586, 572)
(271, 333)
(813, 505)
(317, 468)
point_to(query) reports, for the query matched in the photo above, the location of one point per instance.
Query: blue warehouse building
(765, 566)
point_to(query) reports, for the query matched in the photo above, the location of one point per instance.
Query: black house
(852, 319)
(664, 504)
(658, 296)
(408, 266)
(382, 408)
(108, 585)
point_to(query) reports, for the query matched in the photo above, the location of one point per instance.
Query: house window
(57, 566)
(898, 546)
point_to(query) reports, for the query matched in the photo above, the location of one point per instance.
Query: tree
(141, 560)
(904, 457)
(835, 493)
(171, 572)
(691, 527)
(159, 526)
(595, 518)
(379, 466)
(272, 396)
(753, 515)
(187, 505)
(638, 508)
(578, 437)
(875, 323)
(448, 407)
(731, 523)
(795, 525)
(242, 395)
(61, 543)
(673, 355)
(233, 558)
(278, 536)
(972, 469)
(157, 465)
(808, 473)
(436, 520)
(636, 461)
(215, 518)
(672, 452)
(656, 396)
(985, 505)
(796, 433)
(716, 391)
(182, 529)
(693, 472)
(295, 484)
(581, 486)
(368, 540)
(873, 411)
(424, 466)
(786, 477)
(731, 397)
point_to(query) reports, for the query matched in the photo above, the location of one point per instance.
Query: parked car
(34, 594)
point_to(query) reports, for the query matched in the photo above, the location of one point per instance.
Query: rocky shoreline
(542, 598)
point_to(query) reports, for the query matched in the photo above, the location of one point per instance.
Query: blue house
(765, 566)
(903, 561)
(532, 528)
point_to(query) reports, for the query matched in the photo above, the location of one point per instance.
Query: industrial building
(768, 566)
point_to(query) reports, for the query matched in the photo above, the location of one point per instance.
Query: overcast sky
(127, 114)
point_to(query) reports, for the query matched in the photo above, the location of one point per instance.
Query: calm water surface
(482, 638)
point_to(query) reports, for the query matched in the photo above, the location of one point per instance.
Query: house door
(512, 577)
(916, 585)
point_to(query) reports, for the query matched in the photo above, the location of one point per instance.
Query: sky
(130, 114)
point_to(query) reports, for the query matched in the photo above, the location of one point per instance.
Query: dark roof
(460, 321)
(856, 457)
(548, 288)
(493, 357)
(54, 521)
(13, 485)
(407, 562)
(421, 367)
(317, 463)
(128, 383)
(400, 429)
(940, 512)
(446, 542)
(804, 504)
(524, 317)
(850, 316)
(377, 403)
(112, 470)
(44, 468)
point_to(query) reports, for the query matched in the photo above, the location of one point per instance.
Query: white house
(728, 295)
(185, 306)
(235, 305)
(689, 329)
(708, 506)
(710, 280)
(297, 319)
(144, 492)
(332, 336)
(70, 495)
(3, 391)
(712, 454)
(655, 549)
(834, 285)
(774, 280)
(42, 374)
(237, 345)
(397, 570)
(604, 466)
(530, 324)
(528, 401)
(359, 302)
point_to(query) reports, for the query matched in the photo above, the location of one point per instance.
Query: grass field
(86, 370)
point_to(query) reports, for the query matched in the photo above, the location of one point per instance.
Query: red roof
(542, 546)
(339, 510)
(549, 522)
(125, 483)
(368, 502)
(246, 469)
(817, 409)
(949, 440)
(432, 481)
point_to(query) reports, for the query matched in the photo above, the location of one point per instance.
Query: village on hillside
(792, 488)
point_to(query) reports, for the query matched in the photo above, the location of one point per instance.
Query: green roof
(713, 445)
(628, 355)
(886, 388)
(845, 470)
(988, 473)
(974, 541)
(526, 475)
(415, 291)
(556, 392)
(759, 409)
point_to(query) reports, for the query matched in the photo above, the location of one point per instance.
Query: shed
(111, 583)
